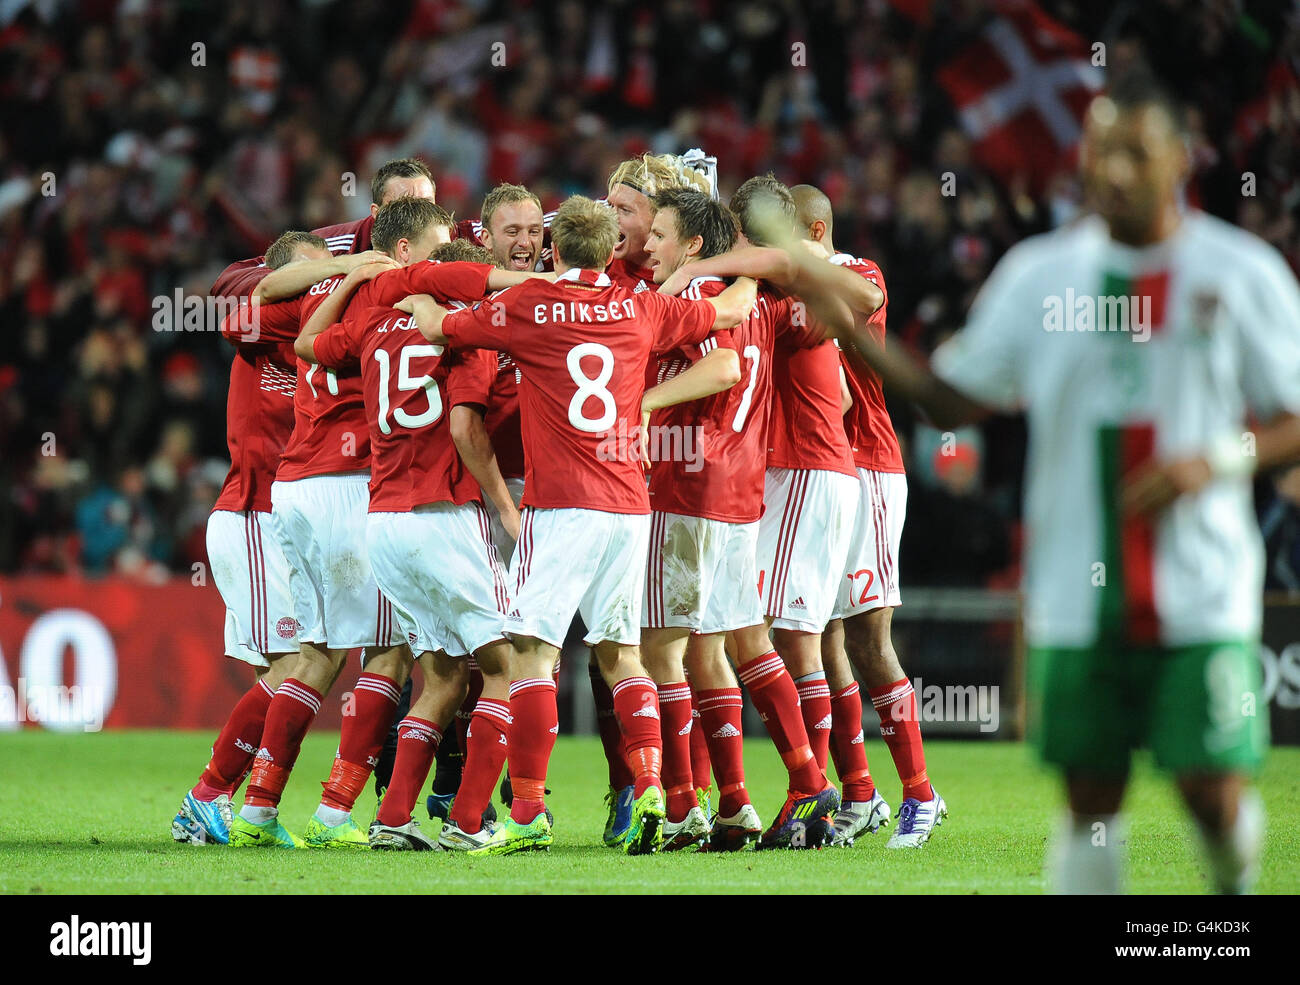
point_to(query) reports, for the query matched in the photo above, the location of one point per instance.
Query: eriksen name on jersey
(578, 312)
(102, 939)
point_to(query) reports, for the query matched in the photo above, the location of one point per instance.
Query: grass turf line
(91, 814)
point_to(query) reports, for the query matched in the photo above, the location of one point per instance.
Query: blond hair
(651, 174)
(584, 232)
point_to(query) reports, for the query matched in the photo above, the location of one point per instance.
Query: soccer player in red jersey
(247, 562)
(869, 591)
(320, 502)
(803, 535)
(631, 188)
(403, 178)
(707, 495)
(582, 345)
(319, 505)
(429, 457)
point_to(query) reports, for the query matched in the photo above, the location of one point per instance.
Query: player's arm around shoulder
(294, 278)
(733, 305)
(429, 316)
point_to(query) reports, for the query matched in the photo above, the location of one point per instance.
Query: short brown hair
(504, 194)
(406, 218)
(699, 215)
(281, 251)
(406, 167)
(584, 232)
(758, 195)
(463, 251)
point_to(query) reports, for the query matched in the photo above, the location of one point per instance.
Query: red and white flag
(1020, 89)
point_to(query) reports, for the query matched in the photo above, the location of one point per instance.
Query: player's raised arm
(758, 262)
(294, 278)
(330, 310)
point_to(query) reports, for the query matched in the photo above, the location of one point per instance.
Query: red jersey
(274, 322)
(239, 279)
(330, 432)
(623, 274)
(409, 389)
(259, 418)
(723, 478)
(867, 424)
(502, 418)
(582, 345)
(807, 426)
(329, 426)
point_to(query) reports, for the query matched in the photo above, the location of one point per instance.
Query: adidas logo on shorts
(824, 723)
(728, 731)
(799, 604)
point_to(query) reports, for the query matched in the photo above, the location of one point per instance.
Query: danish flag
(1020, 89)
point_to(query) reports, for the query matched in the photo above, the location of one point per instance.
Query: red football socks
(466, 710)
(720, 711)
(533, 728)
(611, 736)
(488, 743)
(636, 705)
(847, 746)
(290, 715)
(900, 728)
(360, 740)
(701, 764)
(777, 701)
(233, 752)
(815, 706)
(675, 731)
(417, 744)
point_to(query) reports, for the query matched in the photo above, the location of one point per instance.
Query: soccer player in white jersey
(1141, 341)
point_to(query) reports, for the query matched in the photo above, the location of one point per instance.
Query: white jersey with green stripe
(1118, 355)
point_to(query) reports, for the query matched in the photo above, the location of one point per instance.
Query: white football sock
(1085, 856)
(258, 815)
(1234, 857)
(332, 816)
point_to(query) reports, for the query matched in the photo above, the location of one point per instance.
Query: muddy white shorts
(321, 525)
(803, 544)
(701, 574)
(252, 576)
(584, 561)
(870, 578)
(441, 570)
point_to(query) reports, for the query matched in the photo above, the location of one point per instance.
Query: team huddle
(448, 440)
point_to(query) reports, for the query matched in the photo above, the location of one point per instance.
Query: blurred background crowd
(145, 144)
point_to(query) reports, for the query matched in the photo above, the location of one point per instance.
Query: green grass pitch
(91, 814)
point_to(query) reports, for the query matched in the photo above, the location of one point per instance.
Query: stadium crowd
(147, 144)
